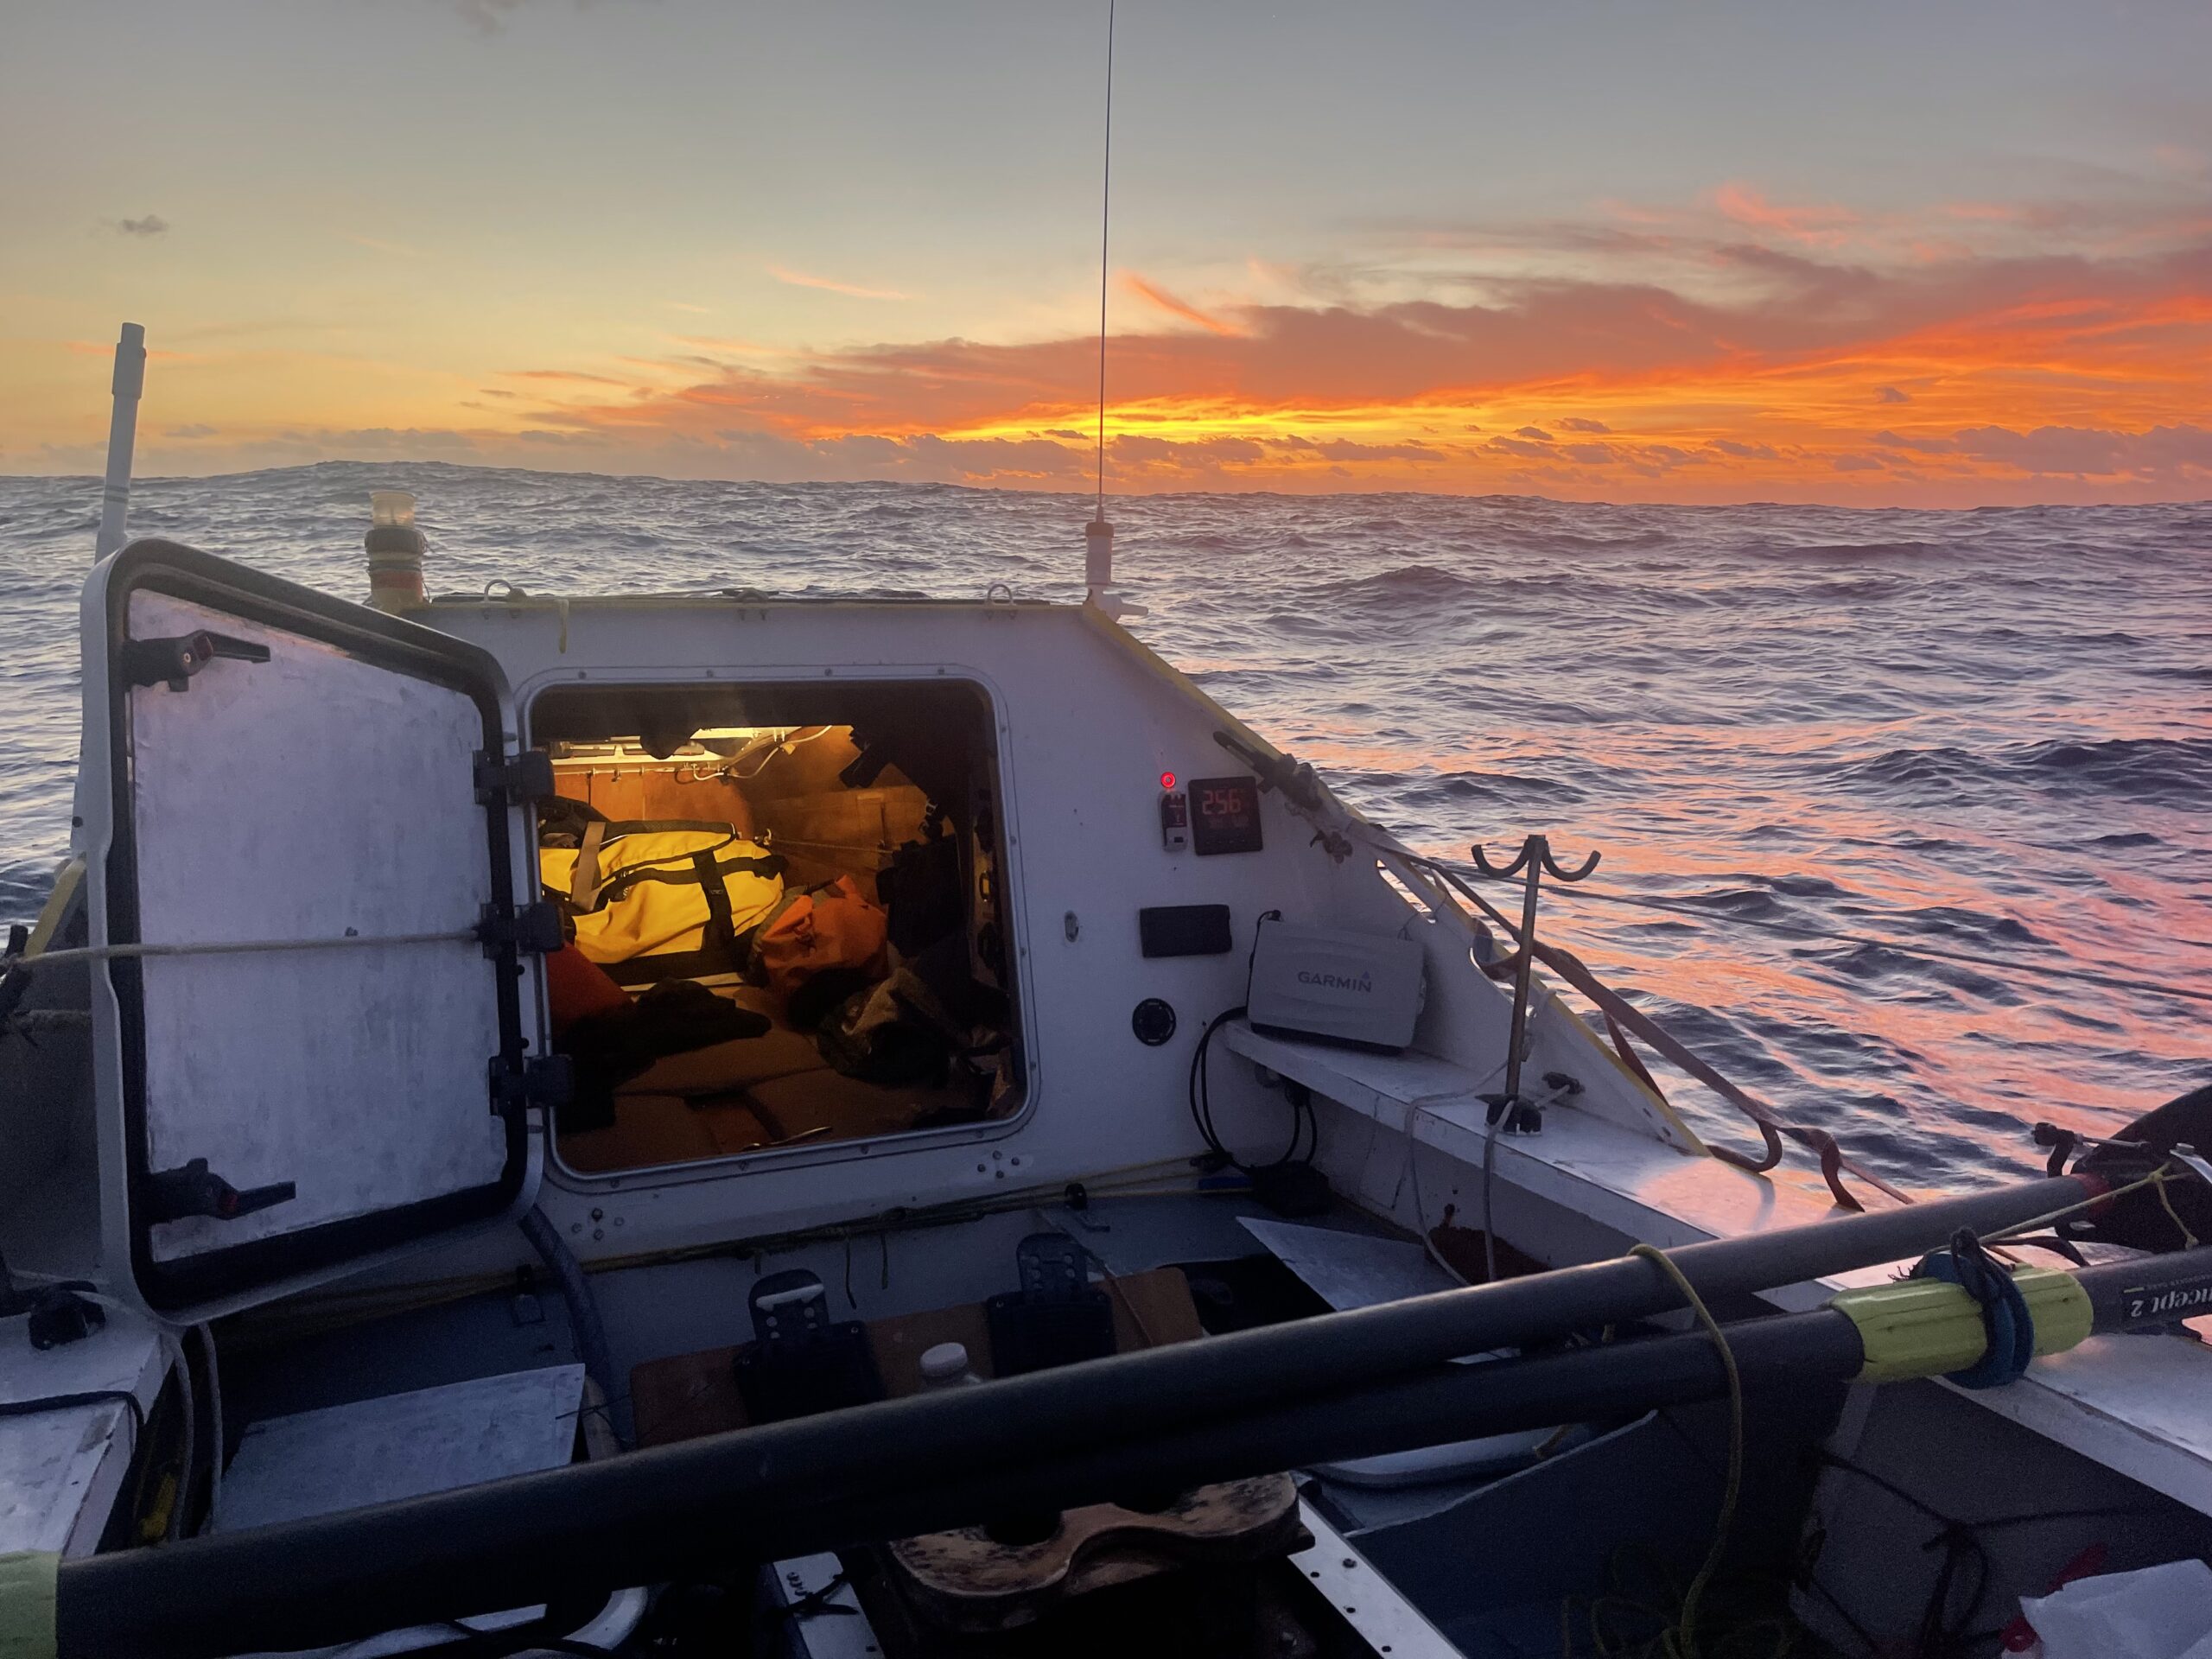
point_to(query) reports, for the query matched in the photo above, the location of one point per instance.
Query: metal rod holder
(1536, 860)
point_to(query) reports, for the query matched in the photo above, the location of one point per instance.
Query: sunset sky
(1926, 253)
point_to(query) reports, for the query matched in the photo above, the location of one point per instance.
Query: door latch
(173, 662)
(195, 1190)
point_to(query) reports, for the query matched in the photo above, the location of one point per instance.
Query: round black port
(1153, 1021)
(1018, 1531)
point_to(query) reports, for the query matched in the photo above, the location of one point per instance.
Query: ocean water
(1986, 732)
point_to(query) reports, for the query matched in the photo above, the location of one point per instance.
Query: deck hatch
(327, 800)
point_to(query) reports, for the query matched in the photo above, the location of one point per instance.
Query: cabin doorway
(785, 929)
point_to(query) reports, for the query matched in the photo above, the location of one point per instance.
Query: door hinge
(548, 1081)
(535, 928)
(195, 1190)
(513, 780)
(173, 662)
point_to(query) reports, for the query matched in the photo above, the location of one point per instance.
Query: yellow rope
(1682, 1644)
(2158, 1179)
(1681, 1640)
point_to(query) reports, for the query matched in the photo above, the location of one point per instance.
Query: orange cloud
(1818, 223)
(801, 279)
(2013, 371)
(1733, 347)
(1131, 282)
(575, 375)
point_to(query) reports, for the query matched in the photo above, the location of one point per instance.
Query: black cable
(1940, 1636)
(1201, 1094)
(1995, 1523)
(1305, 1127)
(585, 1325)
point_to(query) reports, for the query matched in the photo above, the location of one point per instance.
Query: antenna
(1105, 215)
(129, 383)
(1098, 534)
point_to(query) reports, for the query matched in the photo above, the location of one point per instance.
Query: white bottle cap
(943, 1362)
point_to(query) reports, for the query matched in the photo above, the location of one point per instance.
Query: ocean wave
(1850, 552)
(2143, 768)
(2152, 769)
(1407, 583)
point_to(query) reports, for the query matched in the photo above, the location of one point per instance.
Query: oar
(1339, 1385)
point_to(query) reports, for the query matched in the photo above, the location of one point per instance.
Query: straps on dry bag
(660, 898)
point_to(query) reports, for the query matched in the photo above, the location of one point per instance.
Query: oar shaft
(523, 1541)
(508, 1544)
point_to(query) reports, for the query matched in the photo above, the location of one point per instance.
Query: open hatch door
(263, 765)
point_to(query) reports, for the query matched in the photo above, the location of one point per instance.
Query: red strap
(1620, 1012)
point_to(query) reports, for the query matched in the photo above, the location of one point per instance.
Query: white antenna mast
(1098, 534)
(122, 438)
(1105, 220)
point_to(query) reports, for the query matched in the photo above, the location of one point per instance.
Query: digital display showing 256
(1225, 814)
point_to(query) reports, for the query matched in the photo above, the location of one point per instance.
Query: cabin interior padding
(871, 807)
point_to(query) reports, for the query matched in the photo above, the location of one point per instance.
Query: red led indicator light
(1167, 781)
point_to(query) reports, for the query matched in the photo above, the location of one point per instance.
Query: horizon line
(93, 481)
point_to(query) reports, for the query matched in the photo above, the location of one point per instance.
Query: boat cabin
(760, 859)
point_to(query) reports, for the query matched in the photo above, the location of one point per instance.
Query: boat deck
(2132, 1403)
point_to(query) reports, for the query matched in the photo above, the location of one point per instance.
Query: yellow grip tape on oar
(1927, 1327)
(27, 1619)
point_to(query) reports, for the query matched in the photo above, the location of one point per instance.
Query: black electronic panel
(1184, 929)
(1225, 814)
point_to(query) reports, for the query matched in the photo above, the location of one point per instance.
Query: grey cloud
(1889, 440)
(2092, 452)
(151, 225)
(1349, 449)
(1576, 423)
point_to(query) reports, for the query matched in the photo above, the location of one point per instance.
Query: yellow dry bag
(662, 898)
